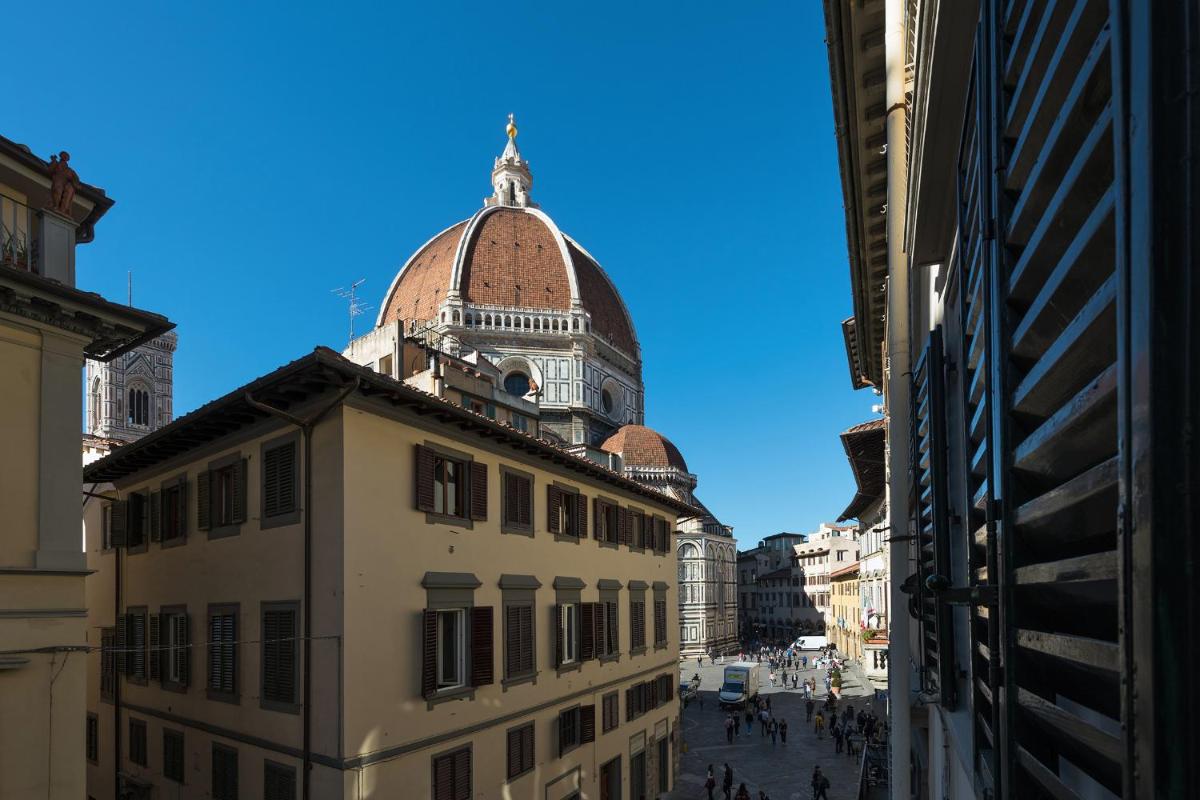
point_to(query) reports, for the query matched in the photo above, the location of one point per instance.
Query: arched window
(139, 406)
(537, 324)
(487, 321)
(95, 395)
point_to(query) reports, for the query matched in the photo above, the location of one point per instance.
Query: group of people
(849, 730)
(759, 710)
(820, 786)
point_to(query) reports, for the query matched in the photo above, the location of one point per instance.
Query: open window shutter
(556, 621)
(123, 644)
(512, 640)
(428, 653)
(587, 724)
(527, 748)
(182, 625)
(482, 671)
(239, 490)
(553, 508)
(598, 518)
(525, 638)
(423, 469)
(228, 653)
(479, 490)
(183, 504)
(587, 632)
(155, 516)
(271, 481)
(581, 516)
(155, 652)
(138, 629)
(524, 501)
(204, 501)
(614, 639)
(622, 526)
(119, 523)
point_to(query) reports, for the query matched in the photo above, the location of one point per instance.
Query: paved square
(784, 772)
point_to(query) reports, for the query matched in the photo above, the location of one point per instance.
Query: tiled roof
(425, 280)
(640, 446)
(864, 446)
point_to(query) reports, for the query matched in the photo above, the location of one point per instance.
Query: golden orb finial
(511, 128)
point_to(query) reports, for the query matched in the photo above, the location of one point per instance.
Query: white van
(740, 684)
(811, 642)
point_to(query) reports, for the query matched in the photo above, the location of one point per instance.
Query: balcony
(18, 235)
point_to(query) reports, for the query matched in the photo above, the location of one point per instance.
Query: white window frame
(570, 633)
(459, 658)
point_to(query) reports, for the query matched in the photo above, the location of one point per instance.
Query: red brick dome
(509, 257)
(640, 446)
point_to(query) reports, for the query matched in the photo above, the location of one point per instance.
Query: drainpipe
(899, 378)
(306, 426)
(116, 676)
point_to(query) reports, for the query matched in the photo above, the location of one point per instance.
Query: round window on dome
(606, 400)
(517, 383)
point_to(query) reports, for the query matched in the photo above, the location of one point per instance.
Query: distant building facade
(132, 395)
(829, 548)
(846, 631)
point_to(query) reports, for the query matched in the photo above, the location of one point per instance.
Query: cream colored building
(845, 630)
(47, 328)
(830, 548)
(331, 584)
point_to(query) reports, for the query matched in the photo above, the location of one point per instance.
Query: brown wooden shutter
(598, 518)
(482, 671)
(587, 631)
(239, 490)
(428, 653)
(462, 775)
(271, 481)
(424, 466)
(182, 500)
(156, 660)
(155, 516)
(138, 631)
(479, 490)
(119, 523)
(183, 639)
(652, 702)
(512, 502)
(554, 501)
(630, 701)
(527, 747)
(614, 639)
(622, 526)
(524, 501)
(557, 622)
(204, 501)
(443, 778)
(581, 516)
(122, 644)
(587, 724)
(514, 753)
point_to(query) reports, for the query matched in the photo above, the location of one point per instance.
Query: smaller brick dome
(640, 446)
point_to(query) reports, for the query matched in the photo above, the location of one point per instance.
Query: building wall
(708, 595)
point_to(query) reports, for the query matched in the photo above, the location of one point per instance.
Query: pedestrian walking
(710, 782)
(699, 661)
(819, 725)
(727, 783)
(734, 720)
(763, 716)
(783, 731)
(836, 733)
(795, 679)
(820, 785)
(773, 728)
(808, 709)
(772, 678)
(729, 726)
(749, 721)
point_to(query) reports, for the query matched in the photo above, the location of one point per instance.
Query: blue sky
(263, 155)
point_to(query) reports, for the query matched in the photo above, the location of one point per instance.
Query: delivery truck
(740, 684)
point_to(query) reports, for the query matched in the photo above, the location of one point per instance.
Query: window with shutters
(224, 773)
(223, 653)
(566, 512)
(280, 477)
(637, 625)
(451, 648)
(137, 531)
(452, 775)
(137, 742)
(607, 522)
(451, 487)
(611, 711)
(660, 620)
(106, 537)
(520, 751)
(570, 731)
(607, 626)
(637, 530)
(279, 781)
(610, 780)
(92, 738)
(519, 660)
(173, 510)
(173, 755)
(221, 496)
(568, 622)
(176, 653)
(108, 664)
(517, 513)
(136, 640)
(280, 656)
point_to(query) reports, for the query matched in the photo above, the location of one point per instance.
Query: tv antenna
(357, 307)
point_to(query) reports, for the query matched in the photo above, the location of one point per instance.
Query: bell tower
(133, 394)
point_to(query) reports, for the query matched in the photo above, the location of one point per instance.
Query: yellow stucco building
(845, 629)
(47, 328)
(330, 584)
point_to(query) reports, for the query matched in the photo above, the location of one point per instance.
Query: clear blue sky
(261, 156)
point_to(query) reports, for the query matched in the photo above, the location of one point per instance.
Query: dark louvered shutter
(119, 523)
(182, 642)
(554, 501)
(428, 653)
(660, 621)
(598, 518)
(479, 490)
(229, 653)
(512, 502)
(462, 775)
(443, 778)
(123, 644)
(524, 501)
(515, 767)
(424, 465)
(279, 655)
(155, 516)
(587, 632)
(139, 645)
(527, 747)
(239, 490)
(279, 484)
(181, 498)
(587, 724)
(482, 671)
(214, 652)
(581, 516)
(525, 639)
(613, 632)
(556, 620)
(204, 501)
(630, 711)
(622, 526)
(652, 701)
(156, 659)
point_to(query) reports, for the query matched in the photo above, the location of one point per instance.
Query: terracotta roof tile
(514, 260)
(644, 447)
